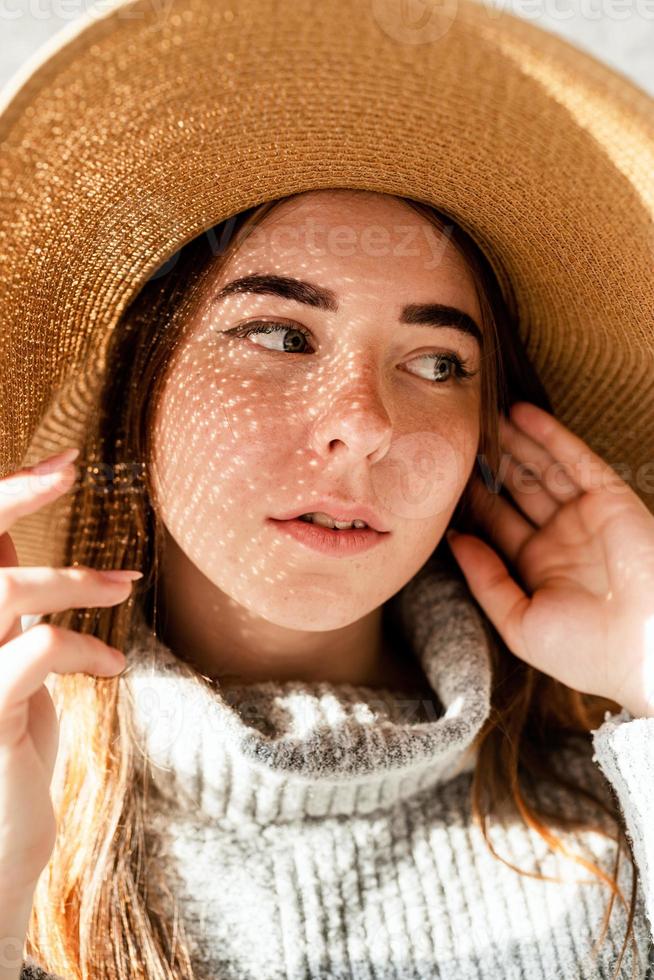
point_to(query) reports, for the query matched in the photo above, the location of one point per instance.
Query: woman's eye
(443, 368)
(293, 343)
(292, 339)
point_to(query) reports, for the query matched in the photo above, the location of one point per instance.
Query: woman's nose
(354, 421)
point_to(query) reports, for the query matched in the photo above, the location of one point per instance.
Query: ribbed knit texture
(324, 831)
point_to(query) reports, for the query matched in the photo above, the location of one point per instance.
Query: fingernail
(58, 479)
(120, 575)
(119, 660)
(57, 462)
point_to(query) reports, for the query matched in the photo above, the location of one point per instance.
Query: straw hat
(150, 121)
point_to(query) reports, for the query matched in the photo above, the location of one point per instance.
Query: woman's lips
(328, 541)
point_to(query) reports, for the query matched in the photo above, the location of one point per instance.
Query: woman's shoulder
(569, 778)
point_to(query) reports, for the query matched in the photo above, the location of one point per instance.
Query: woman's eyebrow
(420, 314)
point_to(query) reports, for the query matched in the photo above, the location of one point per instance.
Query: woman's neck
(225, 641)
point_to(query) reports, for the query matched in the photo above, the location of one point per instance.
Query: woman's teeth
(326, 521)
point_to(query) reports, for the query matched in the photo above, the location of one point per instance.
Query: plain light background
(618, 32)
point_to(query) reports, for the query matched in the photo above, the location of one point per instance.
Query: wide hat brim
(148, 123)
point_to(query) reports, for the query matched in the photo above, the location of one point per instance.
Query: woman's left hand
(585, 554)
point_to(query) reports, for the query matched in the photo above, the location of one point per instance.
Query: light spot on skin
(246, 432)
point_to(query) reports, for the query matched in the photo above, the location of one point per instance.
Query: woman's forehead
(315, 236)
(334, 274)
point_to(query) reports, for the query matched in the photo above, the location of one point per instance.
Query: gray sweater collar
(272, 752)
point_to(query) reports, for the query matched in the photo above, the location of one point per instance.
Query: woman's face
(344, 399)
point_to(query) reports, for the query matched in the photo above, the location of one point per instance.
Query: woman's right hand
(29, 728)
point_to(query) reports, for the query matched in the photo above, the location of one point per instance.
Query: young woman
(303, 287)
(295, 774)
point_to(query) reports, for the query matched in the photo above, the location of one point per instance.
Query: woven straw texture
(157, 121)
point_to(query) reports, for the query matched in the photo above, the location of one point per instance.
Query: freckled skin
(247, 431)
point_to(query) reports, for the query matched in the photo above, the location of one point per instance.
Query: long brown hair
(91, 914)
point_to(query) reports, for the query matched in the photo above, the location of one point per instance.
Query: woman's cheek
(216, 447)
(425, 470)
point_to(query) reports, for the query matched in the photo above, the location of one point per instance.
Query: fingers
(505, 525)
(8, 556)
(493, 587)
(538, 483)
(36, 591)
(28, 490)
(588, 471)
(26, 661)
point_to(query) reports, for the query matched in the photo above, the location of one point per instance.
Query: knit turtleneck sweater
(320, 830)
